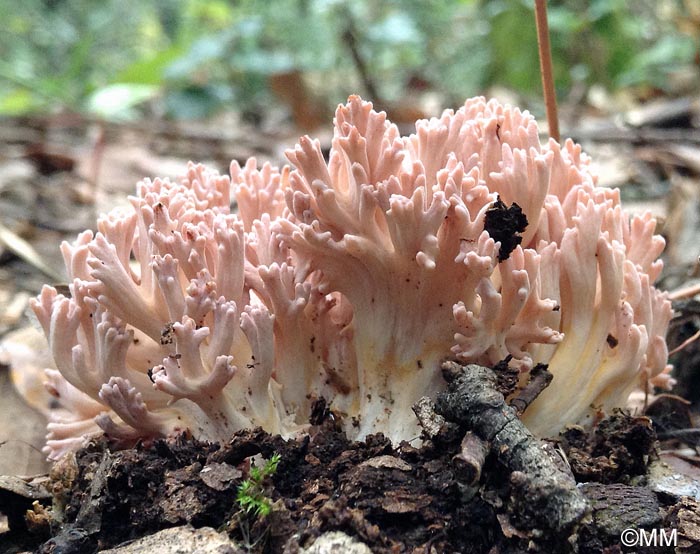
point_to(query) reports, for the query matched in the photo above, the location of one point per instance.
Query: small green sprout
(251, 495)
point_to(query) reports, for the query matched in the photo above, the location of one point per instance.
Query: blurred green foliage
(190, 58)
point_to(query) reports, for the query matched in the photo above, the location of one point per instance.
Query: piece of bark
(619, 513)
(434, 426)
(618, 507)
(89, 516)
(544, 496)
(685, 517)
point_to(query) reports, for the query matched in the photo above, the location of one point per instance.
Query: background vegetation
(190, 58)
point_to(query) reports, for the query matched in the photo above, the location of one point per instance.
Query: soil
(403, 499)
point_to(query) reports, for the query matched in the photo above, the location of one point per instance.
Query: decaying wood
(618, 507)
(469, 461)
(685, 516)
(434, 426)
(544, 495)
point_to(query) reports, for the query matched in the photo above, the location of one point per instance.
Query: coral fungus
(352, 279)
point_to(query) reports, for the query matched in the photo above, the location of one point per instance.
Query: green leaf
(118, 100)
(17, 102)
(150, 70)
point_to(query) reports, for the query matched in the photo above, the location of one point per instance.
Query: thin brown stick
(685, 292)
(540, 379)
(685, 343)
(550, 98)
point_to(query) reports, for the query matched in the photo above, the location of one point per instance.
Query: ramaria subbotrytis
(352, 280)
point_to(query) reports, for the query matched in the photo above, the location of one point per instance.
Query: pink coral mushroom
(352, 280)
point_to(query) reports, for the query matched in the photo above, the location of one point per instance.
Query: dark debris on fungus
(504, 224)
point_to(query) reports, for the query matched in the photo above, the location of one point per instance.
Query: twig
(545, 495)
(550, 97)
(638, 136)
(540, 379)
(691, 436)
(350, 38)
(685, 343)
(469, 461)
(685, 292)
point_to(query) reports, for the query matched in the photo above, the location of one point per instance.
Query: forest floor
(638, 471)
(403, 499)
